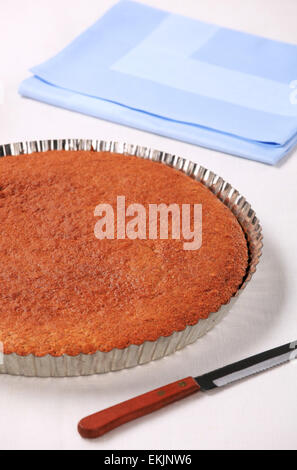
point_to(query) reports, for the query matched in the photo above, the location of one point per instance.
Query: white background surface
(260, 412)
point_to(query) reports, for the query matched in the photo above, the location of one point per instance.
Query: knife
(100, 423)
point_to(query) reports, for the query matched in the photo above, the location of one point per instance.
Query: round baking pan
(100, 362)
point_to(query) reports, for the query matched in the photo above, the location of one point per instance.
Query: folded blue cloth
(180, 78)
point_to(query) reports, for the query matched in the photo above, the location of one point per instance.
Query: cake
(64, 291)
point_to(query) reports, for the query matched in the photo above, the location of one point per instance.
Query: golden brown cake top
(62, 291)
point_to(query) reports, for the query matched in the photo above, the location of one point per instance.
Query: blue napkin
(180, 78)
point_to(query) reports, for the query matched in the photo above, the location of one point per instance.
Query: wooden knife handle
(100, 423)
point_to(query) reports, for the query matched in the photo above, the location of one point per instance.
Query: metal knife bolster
(247, 367)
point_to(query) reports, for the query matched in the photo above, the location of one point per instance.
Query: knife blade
(246, 367)
(100, 423)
